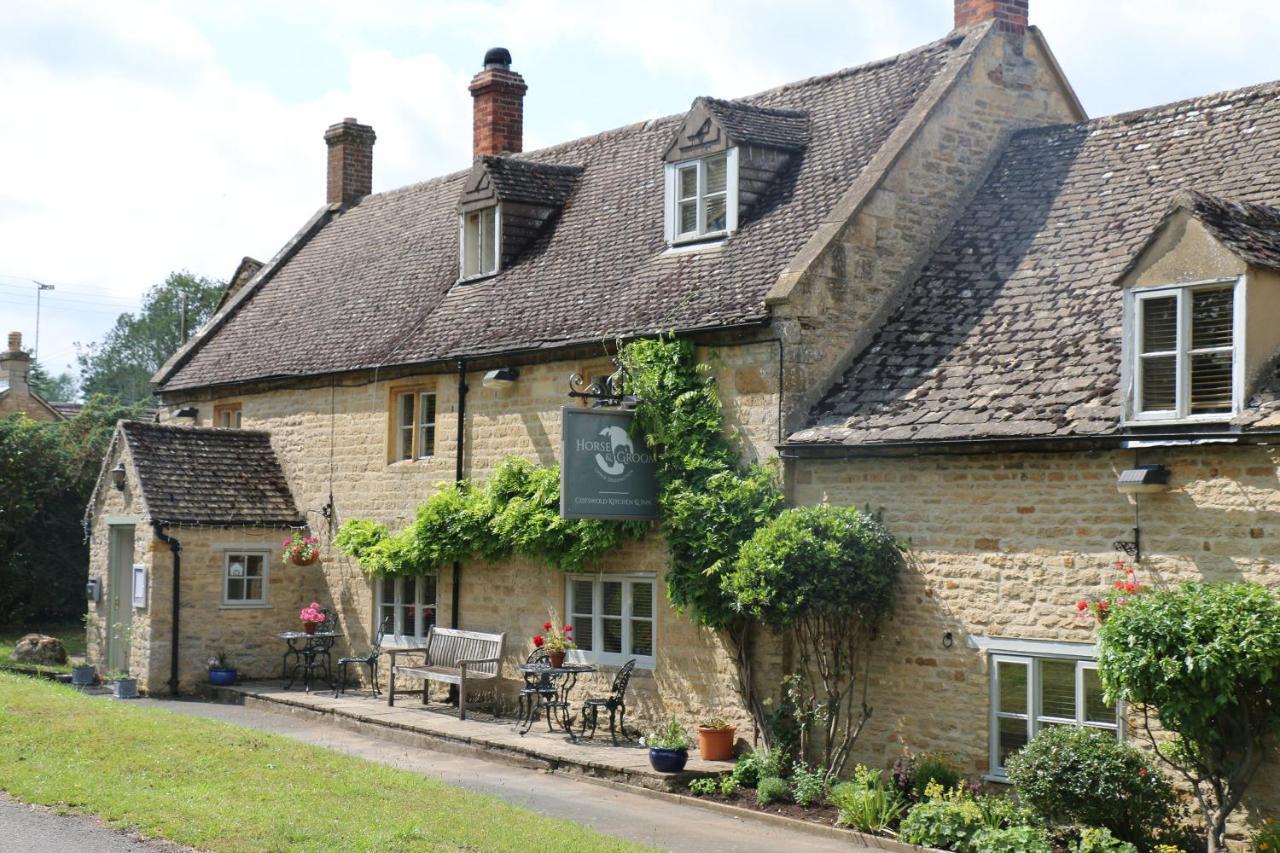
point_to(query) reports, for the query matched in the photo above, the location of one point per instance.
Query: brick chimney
(498, 106)
(350, 173)
(1011, 15)
(15, 364)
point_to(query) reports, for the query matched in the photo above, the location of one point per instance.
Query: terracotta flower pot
(556, 658)
(716, 744)
(309, 627)
(299, 561)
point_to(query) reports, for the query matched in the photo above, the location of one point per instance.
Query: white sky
(137, 138)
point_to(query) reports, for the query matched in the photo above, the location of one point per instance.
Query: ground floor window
(244, 578)
(613, 618)
(1032, 692)
(409, 607)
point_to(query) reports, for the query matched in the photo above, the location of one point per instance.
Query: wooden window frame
(265, 599)
(394, 426)
(1132, 351)
(597, 581)
(464, 246)
(397, 636)
(673, 199)
(236, 409)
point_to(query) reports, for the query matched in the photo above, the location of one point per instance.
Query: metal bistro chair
(316, 657)
(540, 691)
(615, 703)
(370, 660)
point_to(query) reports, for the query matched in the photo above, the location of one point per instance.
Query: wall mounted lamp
(502, 377)
(117, 476)
(186, 412)
(1143, 479)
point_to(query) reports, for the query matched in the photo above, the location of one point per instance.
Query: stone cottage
(929, 283)
(16, 394)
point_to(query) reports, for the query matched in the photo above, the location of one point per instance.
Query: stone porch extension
(436, 726)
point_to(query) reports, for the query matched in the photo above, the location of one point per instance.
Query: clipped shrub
(1096, 839)
(754, 766)
(808, 786)
(866, 803)
(1013, 839)
(772, 789)
(1084, 777)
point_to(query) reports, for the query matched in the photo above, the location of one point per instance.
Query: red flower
(1142, 772)
(1082, 606)
(1118, 584)
(568, 628)
(1120, 564)
(1102, 605)
(546, 626)
(537, 640)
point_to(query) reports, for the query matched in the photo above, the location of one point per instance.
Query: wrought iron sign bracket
(1132, 548)
(605, 391)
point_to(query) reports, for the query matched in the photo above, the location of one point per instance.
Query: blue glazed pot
(222, 677)
(667, 760)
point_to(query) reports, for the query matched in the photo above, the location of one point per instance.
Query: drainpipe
(456, 587)
(176, 547)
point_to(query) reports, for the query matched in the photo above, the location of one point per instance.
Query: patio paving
(438, 726)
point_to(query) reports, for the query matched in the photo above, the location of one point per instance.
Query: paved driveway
(32, 830)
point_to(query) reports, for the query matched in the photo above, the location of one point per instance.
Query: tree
(1206, 658)
(47, 471)
(60, 388)
(123, 363)
(826, 575)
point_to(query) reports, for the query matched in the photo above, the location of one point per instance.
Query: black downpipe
(176, 547)
(456, 587)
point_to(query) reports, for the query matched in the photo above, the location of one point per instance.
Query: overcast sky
(138, 138)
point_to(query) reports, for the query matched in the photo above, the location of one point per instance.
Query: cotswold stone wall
(1005, 545)
(334, 440)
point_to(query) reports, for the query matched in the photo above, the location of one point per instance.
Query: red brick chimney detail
(498, 107)
(350, 172)
(1011, 15)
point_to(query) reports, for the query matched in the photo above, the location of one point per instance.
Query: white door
(119, 595)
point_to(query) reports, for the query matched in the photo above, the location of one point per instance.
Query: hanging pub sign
(604, 471)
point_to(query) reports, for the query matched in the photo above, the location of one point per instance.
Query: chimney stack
(1010, 15)
(498, 106)
(350, 173)
(15, 364)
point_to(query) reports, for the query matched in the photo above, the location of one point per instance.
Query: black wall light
(503, 377)
(117, 476)
(1143, 479)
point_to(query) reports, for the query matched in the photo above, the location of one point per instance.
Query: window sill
(1217, 418)
(696, 244)
(997, 778)
(474, 279)
(247, 605)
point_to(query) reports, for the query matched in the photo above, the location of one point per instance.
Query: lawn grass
(71, 634)
(216, 786)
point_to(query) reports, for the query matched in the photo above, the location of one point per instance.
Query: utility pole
(40, 288)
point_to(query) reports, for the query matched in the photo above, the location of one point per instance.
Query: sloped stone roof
(1013, 329)
(376, 284)
(1250, 230)
(195, 475)
(527, 181)
(750, 124)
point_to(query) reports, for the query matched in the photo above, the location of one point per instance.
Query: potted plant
(557, 641)
(668, 747)
(311, 617)
(123, 685)
(715, 739)
(221, 674)
(82, 675)
(1118, 595)
(300, 550)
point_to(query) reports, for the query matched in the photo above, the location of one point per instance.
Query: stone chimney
(1011, 15)
(498, 106)
(350, 174)
(15, 364)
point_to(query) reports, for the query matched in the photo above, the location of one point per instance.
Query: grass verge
(216, 786)
(71, 634)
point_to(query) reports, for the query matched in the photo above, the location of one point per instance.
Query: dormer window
(701, 197)
(480, 241)
(1184, 342)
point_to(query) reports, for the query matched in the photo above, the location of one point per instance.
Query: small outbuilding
(186, 526)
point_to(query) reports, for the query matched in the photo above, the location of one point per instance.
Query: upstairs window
(227, 416)
(479, 242)
(414, 425)
(702, 198)
(1184, 342)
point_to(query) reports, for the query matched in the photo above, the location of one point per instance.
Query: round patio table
(307, 651)
(547, 689)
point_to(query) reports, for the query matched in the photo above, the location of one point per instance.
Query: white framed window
(702, 197)
(227, 416)
(244, 578)
(613, 618)
(414, 435)
(1030, 693)
(1185, 351)
(480, 239)
(410, 605)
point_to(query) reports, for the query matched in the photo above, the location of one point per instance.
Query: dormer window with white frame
(1185, 346)
(702, 198)
(480, 242)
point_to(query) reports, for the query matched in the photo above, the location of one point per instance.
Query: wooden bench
(452, 656)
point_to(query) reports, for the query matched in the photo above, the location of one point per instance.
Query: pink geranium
(312, 613)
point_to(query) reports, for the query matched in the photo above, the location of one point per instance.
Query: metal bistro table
(309, 652)
(547, 689)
